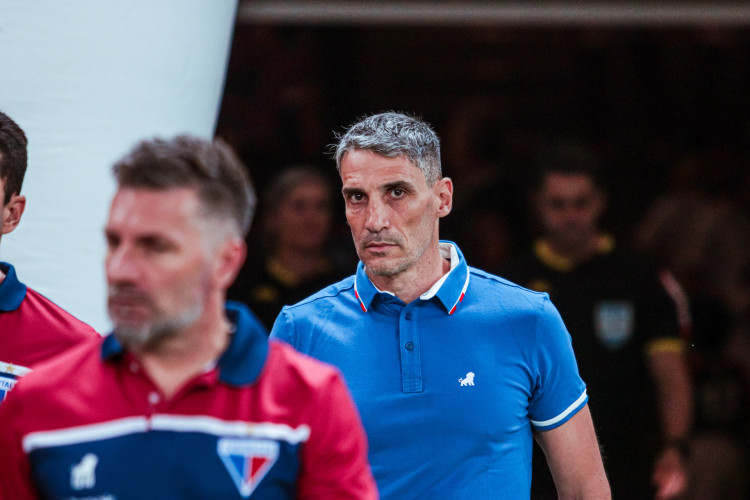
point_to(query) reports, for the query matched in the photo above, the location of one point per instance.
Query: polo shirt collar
(449, 290)
(245, 356)
(12, 291)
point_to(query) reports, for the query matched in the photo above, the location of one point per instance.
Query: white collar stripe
(217, 427)
(170, 423)
(84, 433)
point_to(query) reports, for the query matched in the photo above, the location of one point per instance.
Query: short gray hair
(393, 134)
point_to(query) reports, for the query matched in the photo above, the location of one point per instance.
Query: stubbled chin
(381, 266)
(132, 335)
(375, 257)
(128, 315)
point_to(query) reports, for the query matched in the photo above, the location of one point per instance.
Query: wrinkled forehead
(390, 153)
(365, 167)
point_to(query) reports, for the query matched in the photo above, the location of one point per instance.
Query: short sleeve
(559, 392)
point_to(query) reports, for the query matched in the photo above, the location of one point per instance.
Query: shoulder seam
(322, 294)
(503, 281)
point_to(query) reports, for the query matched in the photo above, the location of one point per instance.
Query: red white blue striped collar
(450, 290)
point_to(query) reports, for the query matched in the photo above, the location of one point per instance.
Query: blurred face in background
(304, 217)
(569, 207)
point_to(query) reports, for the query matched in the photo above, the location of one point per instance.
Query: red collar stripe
(361, 304)
(463, 293)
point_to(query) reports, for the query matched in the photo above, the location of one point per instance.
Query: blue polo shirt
(450, 385)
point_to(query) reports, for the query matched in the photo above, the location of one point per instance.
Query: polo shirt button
(407, 316)
(409, 346)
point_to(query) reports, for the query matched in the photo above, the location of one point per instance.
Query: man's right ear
(12, 212)
(444, 190)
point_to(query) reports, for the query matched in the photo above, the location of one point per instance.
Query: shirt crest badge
(9, 375)
(7, 381)
(247, 461)
(614, 323)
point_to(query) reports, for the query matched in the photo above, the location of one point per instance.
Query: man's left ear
(229, 261)
(444, 192)
(12, 212)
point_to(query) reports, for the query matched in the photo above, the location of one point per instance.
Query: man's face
(569, 207)
(157, 263)
(392, 212)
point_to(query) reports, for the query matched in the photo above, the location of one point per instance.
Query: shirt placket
(149, 398)
(147, 395)
(411, 363)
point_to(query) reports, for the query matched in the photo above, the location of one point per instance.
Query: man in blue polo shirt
(454, 371)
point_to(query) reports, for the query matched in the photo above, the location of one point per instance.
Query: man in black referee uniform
(624, 329)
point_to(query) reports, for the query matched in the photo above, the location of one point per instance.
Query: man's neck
(415, 281)
(186, 354)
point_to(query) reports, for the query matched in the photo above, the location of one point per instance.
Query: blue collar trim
(450, 294)
(245, 357)
(12, 291)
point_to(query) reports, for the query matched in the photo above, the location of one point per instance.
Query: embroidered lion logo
(467, 380)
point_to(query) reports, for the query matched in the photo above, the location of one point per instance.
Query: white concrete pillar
(87, 79)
